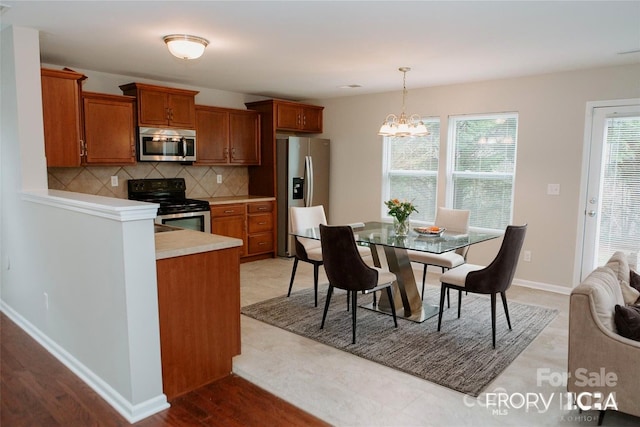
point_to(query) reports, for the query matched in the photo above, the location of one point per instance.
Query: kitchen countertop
(238, 199)
(170, 244)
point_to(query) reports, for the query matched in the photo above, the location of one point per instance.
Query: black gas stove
(170, 193)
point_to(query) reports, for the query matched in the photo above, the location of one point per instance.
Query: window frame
(387, 172)
(451, 158)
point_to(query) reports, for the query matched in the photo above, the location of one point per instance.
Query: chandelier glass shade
(403, 125)
(184, 46)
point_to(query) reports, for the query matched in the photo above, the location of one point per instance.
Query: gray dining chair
(310, 250)
(453, 220)
(493, 279)
(347, 270)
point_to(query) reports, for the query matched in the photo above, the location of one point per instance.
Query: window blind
(620, 207)
(482, 167)
(411, 171)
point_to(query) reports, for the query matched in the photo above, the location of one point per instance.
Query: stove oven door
(199, 221)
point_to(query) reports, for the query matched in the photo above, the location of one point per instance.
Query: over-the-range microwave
(166, 145)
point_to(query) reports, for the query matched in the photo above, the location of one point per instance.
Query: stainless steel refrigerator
(302, 166)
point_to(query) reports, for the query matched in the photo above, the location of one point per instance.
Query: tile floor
(346, 390)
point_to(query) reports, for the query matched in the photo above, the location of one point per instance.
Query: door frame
(584, 176)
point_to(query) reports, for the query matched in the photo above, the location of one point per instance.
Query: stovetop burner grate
(168, 192)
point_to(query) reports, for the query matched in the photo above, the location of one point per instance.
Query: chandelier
(403, 126)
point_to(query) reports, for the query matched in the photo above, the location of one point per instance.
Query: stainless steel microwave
(166, 145)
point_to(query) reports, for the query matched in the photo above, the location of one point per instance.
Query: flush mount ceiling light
(184, 46)
(403, 126)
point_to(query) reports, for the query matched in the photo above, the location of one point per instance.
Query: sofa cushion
(620, 266)
(629, 293)
(635, 280)
(628, 321)
(606, 294)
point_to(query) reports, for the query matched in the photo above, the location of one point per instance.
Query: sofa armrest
(593, 347)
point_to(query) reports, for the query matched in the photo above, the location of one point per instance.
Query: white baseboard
(542, 286)
(132, 413)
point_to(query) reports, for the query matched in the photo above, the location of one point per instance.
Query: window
(411, 171)
(481, 167)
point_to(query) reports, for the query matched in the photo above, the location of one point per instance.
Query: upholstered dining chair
(309, 250)
(492, 279)
(347, 270)
(456, 220)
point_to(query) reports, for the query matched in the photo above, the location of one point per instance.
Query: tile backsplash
(201, 181)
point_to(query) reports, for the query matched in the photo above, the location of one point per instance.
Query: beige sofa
(596, 347)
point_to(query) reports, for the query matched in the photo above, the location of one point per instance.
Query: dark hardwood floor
(37, 390)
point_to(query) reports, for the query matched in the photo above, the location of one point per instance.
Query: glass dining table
(390, 251)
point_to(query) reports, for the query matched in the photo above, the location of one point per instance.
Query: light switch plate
(114, 181)
(553, 189)
(219, 179)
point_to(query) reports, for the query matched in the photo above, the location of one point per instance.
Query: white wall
(550, 143)
(67, 273)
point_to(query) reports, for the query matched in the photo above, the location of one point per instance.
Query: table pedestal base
(427, 312)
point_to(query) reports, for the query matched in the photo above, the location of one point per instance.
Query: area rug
(460, 357)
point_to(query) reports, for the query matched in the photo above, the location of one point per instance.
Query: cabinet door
(153, 108)
(61, 98)
(109, 125)
(244, 137)
(312, 119)
(229, 220)
(288, 116)
(212, 136)
(182, 113)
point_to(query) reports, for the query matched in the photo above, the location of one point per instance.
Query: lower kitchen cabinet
(253, 222)
(199, 309)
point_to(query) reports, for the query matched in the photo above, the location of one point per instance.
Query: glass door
(612, 205)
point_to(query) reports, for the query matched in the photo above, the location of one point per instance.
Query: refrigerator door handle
(310, 177)
(307, 181)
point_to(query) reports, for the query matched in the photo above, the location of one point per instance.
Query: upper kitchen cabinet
(109, 128)
(278, 115)
(291, 116)
(61, 108)
(163, 106)
(227, 136)
(298, 117)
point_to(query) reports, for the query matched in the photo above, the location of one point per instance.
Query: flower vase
(401, 228)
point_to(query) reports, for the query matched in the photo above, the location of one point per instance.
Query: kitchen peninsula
(199, 306)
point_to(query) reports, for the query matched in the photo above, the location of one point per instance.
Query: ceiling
(312, 49)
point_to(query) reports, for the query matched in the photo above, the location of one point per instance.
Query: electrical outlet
(46, 301)
(219, 179)
(526, 256)
(114, 181)
(553, 189)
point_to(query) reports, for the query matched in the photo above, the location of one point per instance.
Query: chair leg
(506, 309)
(354, 305)
(326, 306)
(393, 306)
(459, 301)
(293, 275)
(601, 417)
(315, 282)
(448, 289)
(493, 319)
(424, 278)
(443, 290)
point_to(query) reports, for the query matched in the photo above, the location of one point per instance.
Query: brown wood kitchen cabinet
(278, 115)
(298, 117)
(199, 314)
(62, 116)
(227, 136)
(163, 106)
(229, 220)
(109, 128)
(253, 222)
(260, 230)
